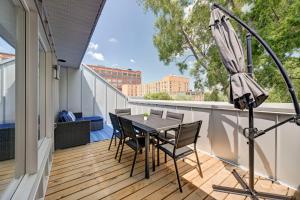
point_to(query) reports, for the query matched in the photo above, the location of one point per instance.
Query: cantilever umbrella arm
(273, 56)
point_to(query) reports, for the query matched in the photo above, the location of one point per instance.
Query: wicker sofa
(76, 131)
(7, 141)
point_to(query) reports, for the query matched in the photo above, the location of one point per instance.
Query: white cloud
(113, 40)
(93, 46)
(132, 60)
(95, 55)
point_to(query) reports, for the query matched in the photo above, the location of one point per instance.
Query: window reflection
(41, 92)
(12, 54)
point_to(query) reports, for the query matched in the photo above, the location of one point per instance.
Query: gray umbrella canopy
(243, 89)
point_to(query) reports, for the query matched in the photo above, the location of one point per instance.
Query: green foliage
(158, 96)
(183, 97)
(215, 95)
(184, 38)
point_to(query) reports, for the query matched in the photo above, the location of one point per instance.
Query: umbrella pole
(248, 189)
(251, 117)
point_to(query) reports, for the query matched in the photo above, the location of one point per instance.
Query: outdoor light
(56, 71)
(61, 60)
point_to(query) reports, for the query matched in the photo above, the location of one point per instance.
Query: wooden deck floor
(91, 172)
(7, 171)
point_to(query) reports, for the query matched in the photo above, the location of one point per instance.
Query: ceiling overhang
(72, 23)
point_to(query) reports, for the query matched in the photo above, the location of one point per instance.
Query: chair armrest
(167, 141)
(78, 115)
(171, 129)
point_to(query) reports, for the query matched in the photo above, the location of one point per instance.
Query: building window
(12, 98)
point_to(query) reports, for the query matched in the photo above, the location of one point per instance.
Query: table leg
(147, 155)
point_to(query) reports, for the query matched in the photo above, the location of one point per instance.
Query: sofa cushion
(92, 118)
(72, 116)
(61, 116)
(7, 125)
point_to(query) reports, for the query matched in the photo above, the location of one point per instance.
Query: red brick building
(118, 77)
(4, 56)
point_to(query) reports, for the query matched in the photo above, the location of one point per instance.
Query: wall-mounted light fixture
(56, 71)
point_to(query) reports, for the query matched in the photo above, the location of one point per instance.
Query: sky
(123, 39)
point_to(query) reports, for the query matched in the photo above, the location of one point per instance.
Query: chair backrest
(156, 113)
(175, 116)
(123, 111)
(127, 128)
(115, 122)
(187, 134)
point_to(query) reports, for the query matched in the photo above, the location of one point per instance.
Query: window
(12, 98)
(41, 93)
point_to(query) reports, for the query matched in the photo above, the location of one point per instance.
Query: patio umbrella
(243, 89)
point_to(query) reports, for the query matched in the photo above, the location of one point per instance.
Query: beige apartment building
(171, 84)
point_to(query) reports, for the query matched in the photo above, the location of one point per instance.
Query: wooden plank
(91, 152)
(141, 188)
(173, 186)
(204, 190)
(193, 182)
(91, 172)
(230, 181)
(77, 185)
(73, 169)
(108, 182)
(96, 159)
(240, 197)
(98, 173)
(126, 183)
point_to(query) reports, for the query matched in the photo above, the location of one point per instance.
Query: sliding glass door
(12, 87)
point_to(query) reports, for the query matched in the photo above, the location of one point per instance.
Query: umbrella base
(247, 191)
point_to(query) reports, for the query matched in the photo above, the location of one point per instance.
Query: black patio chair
(117, 132)
(156, 113)
(187, 134)
(134, 141)
(170, 133)
(123, 111)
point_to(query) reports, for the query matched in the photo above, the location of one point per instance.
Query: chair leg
(115, 140)
(123, 142)
(165, 153)
(165, 157)
(198, 162)
(120, 142)
(134, 159)
(158, 161)
(153, 157)
(112, 137)
(177, 174)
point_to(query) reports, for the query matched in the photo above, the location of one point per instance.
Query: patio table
(151, 126)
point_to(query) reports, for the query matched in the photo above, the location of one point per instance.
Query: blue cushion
(92, 118)
(61, 117)
(7, 125)
(67, 117)
(72, 116)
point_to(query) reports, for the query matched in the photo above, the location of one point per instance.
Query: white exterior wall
(276, 152)
(7, 91)
(82, 90)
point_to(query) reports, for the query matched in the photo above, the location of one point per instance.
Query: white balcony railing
(276, 153)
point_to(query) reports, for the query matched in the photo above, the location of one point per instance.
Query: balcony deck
(91, 172)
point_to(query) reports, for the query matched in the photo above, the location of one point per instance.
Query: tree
(183, 37)
(278, 22)
(158, 96)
